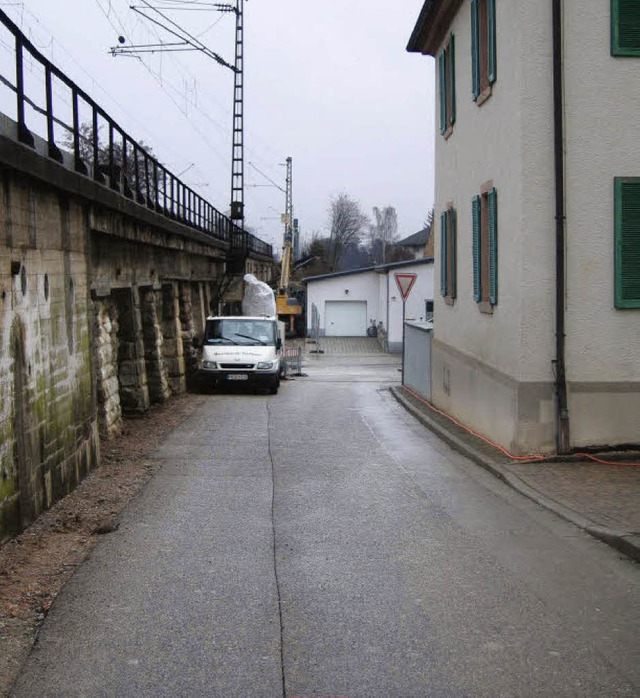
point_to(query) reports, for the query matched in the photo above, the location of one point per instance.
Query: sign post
(404, 282)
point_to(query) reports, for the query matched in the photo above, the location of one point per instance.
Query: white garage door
(345, 318)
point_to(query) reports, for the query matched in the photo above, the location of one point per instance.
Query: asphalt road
(322, 543)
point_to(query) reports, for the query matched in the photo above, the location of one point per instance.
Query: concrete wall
(48, 421)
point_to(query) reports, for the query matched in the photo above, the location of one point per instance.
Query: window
(483, 48)
(446, 79)
(485, 248)
(627, 241)
(448, 254)
(625, 28)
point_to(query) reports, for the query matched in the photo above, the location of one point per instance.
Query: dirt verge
(35, 566)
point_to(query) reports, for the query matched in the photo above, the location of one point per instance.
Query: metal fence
(315, 330)
(52, 106)
(292, 359)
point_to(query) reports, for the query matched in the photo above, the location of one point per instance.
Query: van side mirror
(278, 344)
(196, 342)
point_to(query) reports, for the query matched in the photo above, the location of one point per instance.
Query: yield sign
(405, 282)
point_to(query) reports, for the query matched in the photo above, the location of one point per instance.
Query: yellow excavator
(287, 307)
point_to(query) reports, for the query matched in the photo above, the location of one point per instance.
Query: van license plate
(237, 377)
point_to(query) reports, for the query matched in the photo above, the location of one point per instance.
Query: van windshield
(240, 331)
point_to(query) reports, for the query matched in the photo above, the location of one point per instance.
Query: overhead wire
(205, 113)
(251, 150)
(165, 85)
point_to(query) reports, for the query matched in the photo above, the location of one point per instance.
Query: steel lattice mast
(237, 151)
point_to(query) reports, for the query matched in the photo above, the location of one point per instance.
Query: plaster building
(536, 338)
(348, 301)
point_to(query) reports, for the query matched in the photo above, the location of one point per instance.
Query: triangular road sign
(405, 282)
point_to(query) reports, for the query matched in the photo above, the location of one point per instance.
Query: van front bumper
(260, 378)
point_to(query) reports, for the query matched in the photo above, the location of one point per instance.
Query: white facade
(603, 142)
(495, 371)
(375, 287)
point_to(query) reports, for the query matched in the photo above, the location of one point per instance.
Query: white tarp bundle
(258, 297)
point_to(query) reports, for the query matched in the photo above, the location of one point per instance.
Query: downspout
(388, 326)
(562, 410)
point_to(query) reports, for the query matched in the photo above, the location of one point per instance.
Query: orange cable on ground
(605, 462)
(497, 446)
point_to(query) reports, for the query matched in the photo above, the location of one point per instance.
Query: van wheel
(274, 387)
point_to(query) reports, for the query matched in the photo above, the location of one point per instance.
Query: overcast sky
(328, 83)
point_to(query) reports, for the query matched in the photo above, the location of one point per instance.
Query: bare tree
(428, 221)
(383, 232)
(347, 222)
(86, 154)
(428, 226)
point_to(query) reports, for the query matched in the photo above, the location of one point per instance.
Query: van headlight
(209, 364)
(265, 365)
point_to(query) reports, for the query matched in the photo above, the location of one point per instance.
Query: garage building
(348, 302)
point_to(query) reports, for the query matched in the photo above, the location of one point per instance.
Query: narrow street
(322, 542)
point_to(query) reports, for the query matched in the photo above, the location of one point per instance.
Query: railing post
(112, 175)
(164, 187)
(97, 175)
(24, 135)
(54, 151)
(79, 163)
(126, 187)
(156, 194)
(136, 175)
(147, 191)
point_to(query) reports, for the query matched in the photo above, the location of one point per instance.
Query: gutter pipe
(562, 410)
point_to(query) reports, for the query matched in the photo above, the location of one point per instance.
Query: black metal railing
(247, 241)
(117, 161)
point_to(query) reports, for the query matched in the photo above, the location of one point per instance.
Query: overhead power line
(186, 39)
(187, 42)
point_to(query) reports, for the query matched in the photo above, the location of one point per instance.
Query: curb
(626, 543)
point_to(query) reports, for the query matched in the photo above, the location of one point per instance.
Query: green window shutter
(443, 92)
(475, 58)
(492, 225)
(475, 227)
(443, 253)
(625, 28)
(451, 247)
(627, 242)
(452, 78)
(491, 41)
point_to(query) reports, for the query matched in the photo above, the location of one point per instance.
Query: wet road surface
(322, 543)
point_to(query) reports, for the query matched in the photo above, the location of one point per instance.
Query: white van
(241, 349)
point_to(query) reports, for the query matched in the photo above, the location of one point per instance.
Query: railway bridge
(109, 265)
